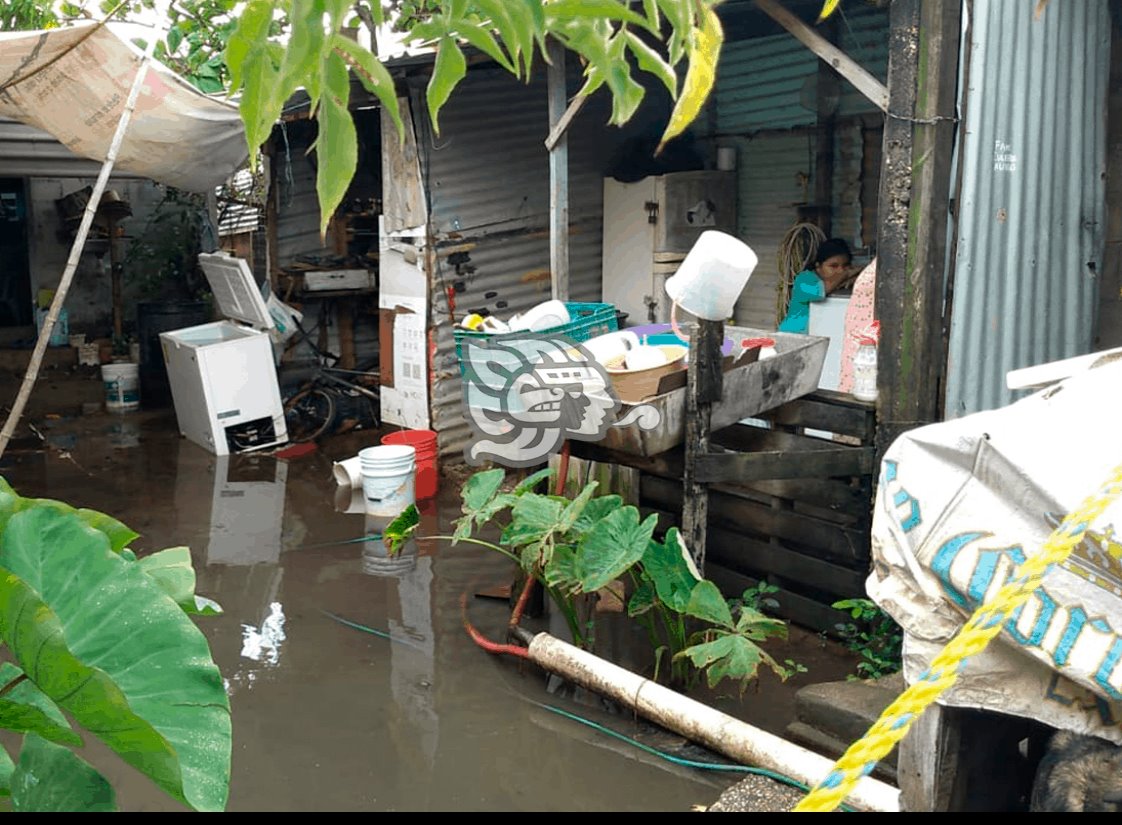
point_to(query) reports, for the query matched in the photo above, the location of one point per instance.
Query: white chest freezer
(222, 376)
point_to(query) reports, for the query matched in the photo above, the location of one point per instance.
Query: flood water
(327, 717)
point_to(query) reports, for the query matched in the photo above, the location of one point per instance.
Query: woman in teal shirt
(830, 271)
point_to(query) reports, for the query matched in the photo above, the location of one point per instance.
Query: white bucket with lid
(388, 478)
(712, 276)
(122, 387)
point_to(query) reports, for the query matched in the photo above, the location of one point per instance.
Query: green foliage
(873, 636)
(96, 636)
(611, 38)
(577, 547)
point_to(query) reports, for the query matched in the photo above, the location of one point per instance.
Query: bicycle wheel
(308, 415)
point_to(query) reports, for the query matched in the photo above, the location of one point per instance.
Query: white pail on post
(712, 276)
(388, 478)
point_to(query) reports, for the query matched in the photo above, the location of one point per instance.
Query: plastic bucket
(712, 276)
(122, 387)
(427, 457)
(388, 478)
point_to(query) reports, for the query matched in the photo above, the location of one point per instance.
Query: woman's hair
(832, 247)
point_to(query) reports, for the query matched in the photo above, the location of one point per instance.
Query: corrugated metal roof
(29, 152)
(238, 215)
(1032, 200)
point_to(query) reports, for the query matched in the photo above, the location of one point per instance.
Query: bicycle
(311, 412)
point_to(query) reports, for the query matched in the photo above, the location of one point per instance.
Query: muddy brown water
(330, 718)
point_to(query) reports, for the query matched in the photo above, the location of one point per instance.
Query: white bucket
(122, 387)
(388, 475)
(712, 276)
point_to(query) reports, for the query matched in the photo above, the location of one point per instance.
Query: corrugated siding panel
(772, 171)
(1023, 292)
(488, 180)
(770, 82)
(29, 152)
(297, 202)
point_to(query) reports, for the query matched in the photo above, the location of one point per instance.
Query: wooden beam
(703, 388)
(779, 464)
(842, 63)
(563, 122)
(913, 212)
(558, 177)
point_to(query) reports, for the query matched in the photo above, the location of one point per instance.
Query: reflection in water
(264, 645)
(411, 676)
(247, 510)
(349, 499)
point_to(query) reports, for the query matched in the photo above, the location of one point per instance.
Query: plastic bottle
(865, 364)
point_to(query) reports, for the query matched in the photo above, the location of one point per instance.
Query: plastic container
(388, 478)
(427, 459)
(586, 322)
(60, 332)
(865, 364)
(122, 387)
(712, 276)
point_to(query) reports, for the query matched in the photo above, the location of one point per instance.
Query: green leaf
(596, 509)
(828, 8)
(669, 572)
(373, 76)
(537, 513)
(337, 143)
(650, 9)
(7, 768)
(612, 546)
(706, 602)
(642, 600)
(651, 61)
(561, 572)
(449, 69)
(533, 480)
(51, 778)
(118, 534)
(704, 49)
(205, 607)
(752, 624)
(21, 718)
(175, 37)
(574, 508)
(480, 488)
(483, 40)
(79, 619)
(172, 572)
(401, 529)
(598, 9)
(729, 657)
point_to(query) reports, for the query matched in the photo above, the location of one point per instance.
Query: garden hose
(985, 623)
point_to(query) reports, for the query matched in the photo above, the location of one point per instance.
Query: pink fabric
(858, 315)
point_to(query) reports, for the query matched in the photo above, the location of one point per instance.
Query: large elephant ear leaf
(100, 637)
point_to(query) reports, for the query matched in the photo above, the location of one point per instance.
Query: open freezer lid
(235, 290)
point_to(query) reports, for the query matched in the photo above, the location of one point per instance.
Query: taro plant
(576, 547)
(873, 635)
(99, 643)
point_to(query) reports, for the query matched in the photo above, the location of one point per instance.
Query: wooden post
(558, 178)
(115, 279)
(913, 212)
(703, 387)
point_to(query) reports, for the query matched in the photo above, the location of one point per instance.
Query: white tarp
(961, 503)
(72, 83)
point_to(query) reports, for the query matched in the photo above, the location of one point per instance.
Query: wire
(797, 251)
(374, 631)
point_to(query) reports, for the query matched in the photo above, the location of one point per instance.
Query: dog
(1078, 773)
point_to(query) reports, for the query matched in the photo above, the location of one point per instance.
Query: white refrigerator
(222, 375)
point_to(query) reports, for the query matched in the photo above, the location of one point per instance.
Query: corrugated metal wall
(1032, 198)
(29, 152)
(297, 202)
(766, 100)
(487, 176)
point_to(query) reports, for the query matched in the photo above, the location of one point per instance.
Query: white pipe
(698, 722)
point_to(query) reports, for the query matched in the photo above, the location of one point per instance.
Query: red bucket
(428, 472)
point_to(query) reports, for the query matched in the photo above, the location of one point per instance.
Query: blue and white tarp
(961, 503)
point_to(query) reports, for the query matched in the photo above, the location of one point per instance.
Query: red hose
(485, 643)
